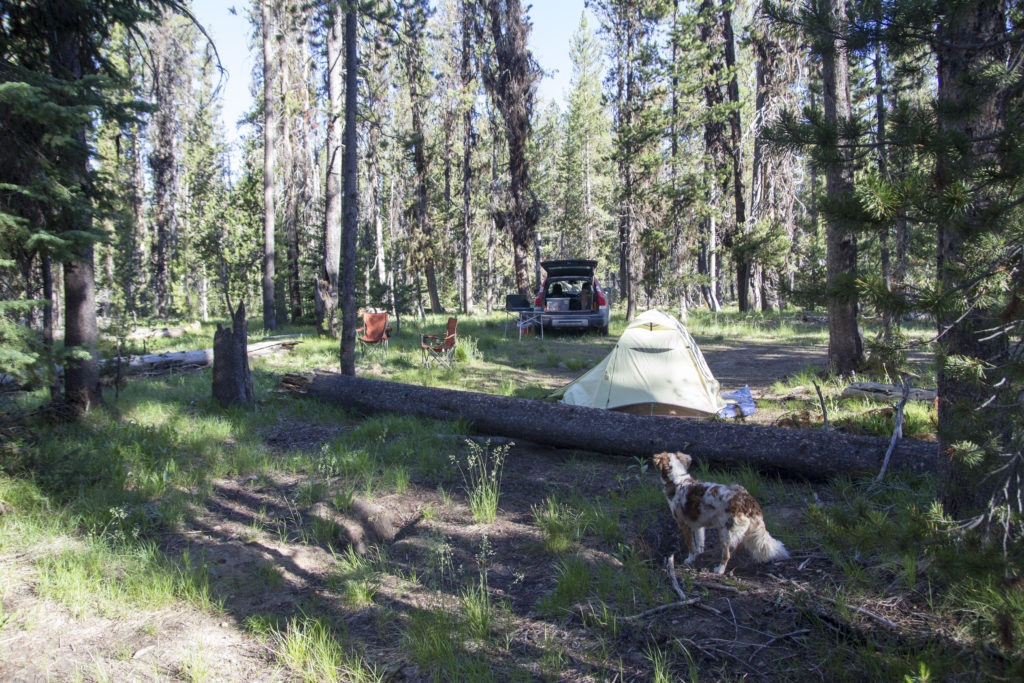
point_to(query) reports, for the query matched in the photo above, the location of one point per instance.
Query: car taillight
(601, 301)
(536, 303)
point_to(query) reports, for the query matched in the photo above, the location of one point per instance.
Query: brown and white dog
(730, 509)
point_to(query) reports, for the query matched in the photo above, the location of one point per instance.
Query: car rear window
(567, 287)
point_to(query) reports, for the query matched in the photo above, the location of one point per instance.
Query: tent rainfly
(655, 369)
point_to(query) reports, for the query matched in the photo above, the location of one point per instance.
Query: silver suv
(570, 296)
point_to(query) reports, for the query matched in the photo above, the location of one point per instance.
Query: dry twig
(821, 400)
(897, 429)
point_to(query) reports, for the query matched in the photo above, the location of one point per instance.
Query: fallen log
(885, 392)
(807, 453)
(169, 332)
(155, 363)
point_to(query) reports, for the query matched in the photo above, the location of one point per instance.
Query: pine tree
(54, 54)
(510, 75)
(636, 100)
(586, 147)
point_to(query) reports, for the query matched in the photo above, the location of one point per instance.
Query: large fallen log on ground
(157, 363)
(807, 453)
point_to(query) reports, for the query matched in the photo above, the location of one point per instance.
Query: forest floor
(568, 583)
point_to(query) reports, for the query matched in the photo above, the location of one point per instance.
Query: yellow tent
(655, 369)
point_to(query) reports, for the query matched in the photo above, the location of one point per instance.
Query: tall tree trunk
(715, 154)
(415, 21)
(970, 117)
(675, 205)
(332, 186)
(707, 263)
(162, 163)
(467, 162)
(46, 266)
(845, 347)
(350, 171)
(512, 85)
(377, 85)
(292, 236)
(270, 123)
(741, 257)
(81, 334)
(625, 97)
(889, 320)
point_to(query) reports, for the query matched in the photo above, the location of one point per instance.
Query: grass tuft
(482, 478)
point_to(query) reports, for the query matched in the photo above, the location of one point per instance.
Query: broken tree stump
(232, 381)
(811, 454)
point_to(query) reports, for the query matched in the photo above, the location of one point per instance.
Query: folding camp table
(528, 319)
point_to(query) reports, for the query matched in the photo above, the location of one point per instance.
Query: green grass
(311, 649)
(481, 477)
(560, 525)
(355, 578)
(434, 641)
(92, 576)
(478, 610)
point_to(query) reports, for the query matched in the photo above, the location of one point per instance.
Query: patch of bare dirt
(44, 641)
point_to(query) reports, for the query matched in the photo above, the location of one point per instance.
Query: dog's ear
(662, 464)
(685, 460)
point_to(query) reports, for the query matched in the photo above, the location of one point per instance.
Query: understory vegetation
(539, 564)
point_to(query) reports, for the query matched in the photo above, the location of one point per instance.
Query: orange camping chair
(439, 350)
(374, 339)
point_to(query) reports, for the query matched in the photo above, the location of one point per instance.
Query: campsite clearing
(228, 533)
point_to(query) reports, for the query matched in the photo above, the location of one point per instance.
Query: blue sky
(554, 22)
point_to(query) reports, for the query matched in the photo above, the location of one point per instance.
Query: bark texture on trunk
(270, 124)
(232, 381)
(512, 85)
(845, 346)
(332, 185)
(743, 264)
(81, 333)
(806, 453)
(350, 170)
(971, 115)
(467, 163)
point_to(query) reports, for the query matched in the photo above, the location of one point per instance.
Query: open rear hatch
(569, 268)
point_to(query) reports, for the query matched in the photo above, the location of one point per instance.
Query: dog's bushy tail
(762, 546)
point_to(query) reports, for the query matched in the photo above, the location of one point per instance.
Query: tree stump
(326, 305)
(232, 382)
